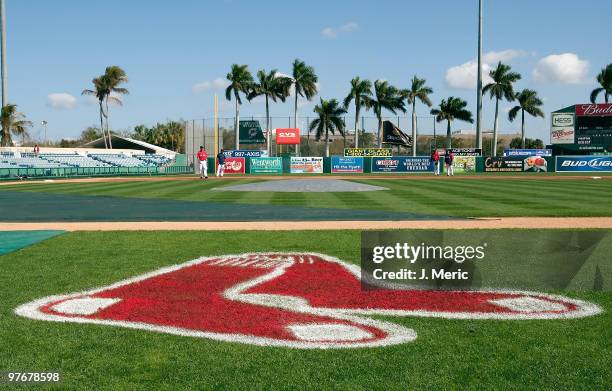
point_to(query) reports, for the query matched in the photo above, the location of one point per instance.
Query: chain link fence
(200, 132)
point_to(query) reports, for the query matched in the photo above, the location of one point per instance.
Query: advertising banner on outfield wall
(463, 164)
(462, 151)
(402, 164)
(346, 164)
(246, 153)
(527, 152)
(306, 165)
(515, 164)
(367, 152)
(584, 164)
(234, 165)
(266, 165)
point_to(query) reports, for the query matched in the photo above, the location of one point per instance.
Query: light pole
(479, 82)
(3, 70)
(44, 124)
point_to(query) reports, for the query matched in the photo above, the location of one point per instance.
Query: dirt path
(491, 223)
(298, 176)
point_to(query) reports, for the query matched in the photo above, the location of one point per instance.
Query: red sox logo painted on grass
(298, 300)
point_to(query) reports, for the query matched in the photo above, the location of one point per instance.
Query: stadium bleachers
(58, 160)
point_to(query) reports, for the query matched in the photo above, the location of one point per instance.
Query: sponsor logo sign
(306, 165)
(464, 151)
(562, 129)
(402, 164)
(562, 135)
(287, 136)
(584, 163)
(367, 152)
(394, 135)
(250, 133)
(346, 164)
(463, 164)
(527, 152)
(234, 165)
(515, 164)
(266, 165)
(246, 153)
(295, 300)
(591, 109)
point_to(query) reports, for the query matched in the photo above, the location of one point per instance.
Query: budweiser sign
(603, 109)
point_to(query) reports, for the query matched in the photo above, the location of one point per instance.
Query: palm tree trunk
(356, 124)
(522, 129)
(102, 125)
(269, 131)
(297, 147)
(110, 141)
(326, 142)
(414, 125)
(379, 132)
(237, 125)
(449, 143)
(495, 125)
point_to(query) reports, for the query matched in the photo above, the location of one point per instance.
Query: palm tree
(605, 80)
(305, 84)
(385, 97)
(329, 120)
(272, 87)
(500, 88)
(240, 82)
(115, 76)
(529, 102)
(361, 93)
(14, 122)
(100, 90)
(418, 90)
(450, 110)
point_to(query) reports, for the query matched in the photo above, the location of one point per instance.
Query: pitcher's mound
(303, 186)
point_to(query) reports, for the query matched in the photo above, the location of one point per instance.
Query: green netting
(15, 240)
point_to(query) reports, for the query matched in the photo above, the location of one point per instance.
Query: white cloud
(329, 32)
(200, 87)
(349, 27)
(61, 100)
(218, 84)
(566, 68)
(464, 76)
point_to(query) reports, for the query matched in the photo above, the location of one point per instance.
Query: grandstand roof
(130, 143)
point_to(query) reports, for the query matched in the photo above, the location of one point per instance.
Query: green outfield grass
(474, 197)
(448, 354)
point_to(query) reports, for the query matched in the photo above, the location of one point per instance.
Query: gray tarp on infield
(303, 186)
(18, 206)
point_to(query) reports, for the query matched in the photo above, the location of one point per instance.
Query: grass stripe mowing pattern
(436, 196)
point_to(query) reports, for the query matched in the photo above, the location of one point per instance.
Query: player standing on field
(448, 159)
(435, 157)
(203, 158)
(220, 163)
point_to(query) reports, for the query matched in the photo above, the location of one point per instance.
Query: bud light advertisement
(584, 164)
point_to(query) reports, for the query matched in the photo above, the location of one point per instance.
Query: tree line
(303, 82)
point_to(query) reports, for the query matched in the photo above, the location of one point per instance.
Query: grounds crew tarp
(394, 135)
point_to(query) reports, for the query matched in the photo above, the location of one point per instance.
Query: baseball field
(179, 283)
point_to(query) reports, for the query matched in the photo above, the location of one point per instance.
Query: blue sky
(176, 53)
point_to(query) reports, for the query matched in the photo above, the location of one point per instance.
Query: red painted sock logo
(277, 299)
